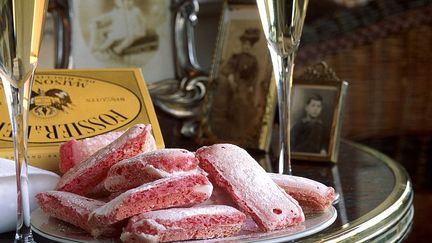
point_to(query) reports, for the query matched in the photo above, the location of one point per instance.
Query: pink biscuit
(177, 224)
(81, 179)
(233, 169)
(148, 167)
(310, 194)
(176, 191)
(73, 209)
(74, 152)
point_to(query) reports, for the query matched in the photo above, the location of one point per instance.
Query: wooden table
(376, 195)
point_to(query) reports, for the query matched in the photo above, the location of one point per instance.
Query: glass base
(24, 238)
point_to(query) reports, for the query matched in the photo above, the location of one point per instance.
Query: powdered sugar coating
(184, 223)
(73, 209)
(80, 204)
(90, 172)
(205, 189)
(149, 166)
(138, 237)
(169, 160)
(74, 151)
(176, 191)
(233, 169)
(155, 172)
(311, 194)
(117, 201)
(174, 214)
(150, 144)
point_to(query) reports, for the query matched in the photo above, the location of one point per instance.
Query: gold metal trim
(320, 75)
(380, 219)
(320, 71)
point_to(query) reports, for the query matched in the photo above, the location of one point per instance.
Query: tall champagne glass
(21, 24)
(282, 22)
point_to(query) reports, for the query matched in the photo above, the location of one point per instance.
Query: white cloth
(39, 180)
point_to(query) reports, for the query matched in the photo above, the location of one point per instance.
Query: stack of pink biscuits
(148, 167)
(167, 194)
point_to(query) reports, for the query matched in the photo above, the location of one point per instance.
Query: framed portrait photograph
(315, 121)
(240, 103)
(123, 33)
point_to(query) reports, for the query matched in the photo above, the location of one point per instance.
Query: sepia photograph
(123, 28)
(315, 119)
(311, 118)
(242, 93)
(125, 33)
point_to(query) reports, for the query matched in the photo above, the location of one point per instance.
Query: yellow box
(78, 104)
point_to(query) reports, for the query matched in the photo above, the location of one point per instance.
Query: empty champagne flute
(282, 21)
(21, 25)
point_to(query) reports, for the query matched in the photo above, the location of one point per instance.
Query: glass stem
(283, 67)
(18, 100)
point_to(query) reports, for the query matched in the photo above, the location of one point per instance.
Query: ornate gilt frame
(320, 76)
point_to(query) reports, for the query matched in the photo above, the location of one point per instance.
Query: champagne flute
(21, 25)
(282, 22)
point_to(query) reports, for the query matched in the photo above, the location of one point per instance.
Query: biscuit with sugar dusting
(233, 169)
(312, 196)
(148, 167)
(74, 151)
(177, 191)
(75, 210)
(175, 224)
(82, 178)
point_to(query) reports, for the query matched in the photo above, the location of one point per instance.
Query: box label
(78, 104)
(65, 107)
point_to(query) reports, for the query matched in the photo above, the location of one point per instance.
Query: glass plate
(58, 230)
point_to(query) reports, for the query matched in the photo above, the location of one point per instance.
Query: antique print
(315, 112)
(242, 91)
(129, 33)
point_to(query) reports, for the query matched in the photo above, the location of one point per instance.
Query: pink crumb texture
(312, 196)
(205, 222)
(183, 190)
(250, 187)
(73, 209)
(148, 167)
(74, 151)
(83, 177)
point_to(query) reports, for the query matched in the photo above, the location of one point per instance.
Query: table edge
(385, 215)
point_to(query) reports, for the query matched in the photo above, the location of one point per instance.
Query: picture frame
(240, 103)
(317, 104)
(123, 33)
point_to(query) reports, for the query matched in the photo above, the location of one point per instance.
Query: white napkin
(39, 180)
